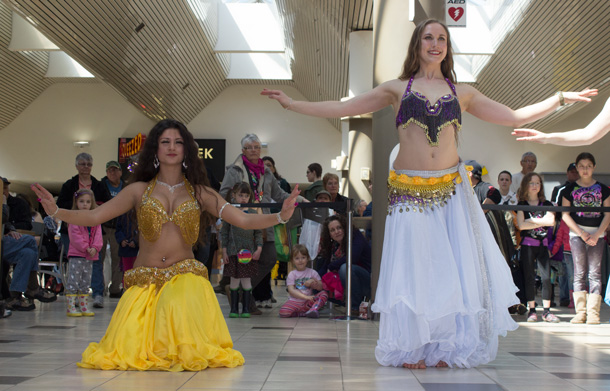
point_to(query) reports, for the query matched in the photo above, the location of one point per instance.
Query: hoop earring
(156, 162)
(184, 164)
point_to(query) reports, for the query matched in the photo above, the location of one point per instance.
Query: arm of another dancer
(374, 100)
(596, 129)
(121, 203)
(489, 110)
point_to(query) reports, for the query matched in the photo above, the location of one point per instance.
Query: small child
(85, 245)
(240, 249)
(301, 283)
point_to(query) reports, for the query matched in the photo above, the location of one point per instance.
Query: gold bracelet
(562, 101)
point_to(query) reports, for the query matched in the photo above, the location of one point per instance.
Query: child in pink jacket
(85, 246)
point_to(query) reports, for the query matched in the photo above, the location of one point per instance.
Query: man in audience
(475, 171)
(114, 183)
(21, 251)
(20, 216)
(572, 176)
(528, 164)
(314, 175)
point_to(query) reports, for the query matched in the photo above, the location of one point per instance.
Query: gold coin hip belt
(414, 193)
(144, 276)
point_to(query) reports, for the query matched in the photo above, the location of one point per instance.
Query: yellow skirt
(167, 320)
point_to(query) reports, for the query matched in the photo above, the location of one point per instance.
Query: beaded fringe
(408, 193)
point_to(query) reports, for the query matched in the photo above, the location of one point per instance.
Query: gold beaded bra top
(152, 215)
(432, 118)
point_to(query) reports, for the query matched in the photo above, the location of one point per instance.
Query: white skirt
(444, 287)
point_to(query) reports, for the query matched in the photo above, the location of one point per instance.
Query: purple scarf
(257, 169)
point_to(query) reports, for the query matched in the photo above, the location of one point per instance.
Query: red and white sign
(455, 13)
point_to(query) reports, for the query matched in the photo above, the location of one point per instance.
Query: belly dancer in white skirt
(444, 287)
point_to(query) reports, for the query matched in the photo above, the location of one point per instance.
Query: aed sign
(455, 13)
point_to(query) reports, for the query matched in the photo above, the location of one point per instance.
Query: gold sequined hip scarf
(419, 191)
(143, 276)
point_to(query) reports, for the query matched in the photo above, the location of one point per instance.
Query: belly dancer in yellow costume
(169, 318)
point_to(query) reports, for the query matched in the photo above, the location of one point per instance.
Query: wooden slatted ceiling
(22, 75)
(558, 46)
(149, 68)
(175, 48)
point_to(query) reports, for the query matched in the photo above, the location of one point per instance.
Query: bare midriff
(170, 245)
(417, 154)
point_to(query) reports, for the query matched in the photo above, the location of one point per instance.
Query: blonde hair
(81, 192)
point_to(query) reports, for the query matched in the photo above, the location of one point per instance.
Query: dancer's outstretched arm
(489, 110)
(376, 99)
(585, 136)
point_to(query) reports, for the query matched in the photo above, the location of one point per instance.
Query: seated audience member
(314, 175)
(22, 252)
(331, 185)
(301, 284)
(20, 216)
(333, 257)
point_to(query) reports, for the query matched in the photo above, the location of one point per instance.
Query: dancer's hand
(278, 95)
(530, 135)
(580, 96)
(289, 204)
(45, 198)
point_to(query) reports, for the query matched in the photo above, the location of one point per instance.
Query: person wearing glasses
(84, 180)
(250, 168)
(586, 238)
(534, 227)
(314, 175)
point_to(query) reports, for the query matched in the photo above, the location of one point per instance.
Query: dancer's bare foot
(420, 365)
(441, 364)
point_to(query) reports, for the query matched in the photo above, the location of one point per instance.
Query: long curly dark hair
(411, 64)
(195, 172)
(326, 243)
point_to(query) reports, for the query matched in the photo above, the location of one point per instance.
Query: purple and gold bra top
(416, 108)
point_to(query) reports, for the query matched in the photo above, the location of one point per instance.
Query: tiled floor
(38, 351)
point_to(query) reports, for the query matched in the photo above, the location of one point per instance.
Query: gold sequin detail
(152, 215)
(145, 276)
(455, 122)
(420, 193)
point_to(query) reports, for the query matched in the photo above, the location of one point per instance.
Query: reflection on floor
(38, 351)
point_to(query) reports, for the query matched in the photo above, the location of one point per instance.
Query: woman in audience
(444, 286)
(333, 257)
(168, 318)
(534, 245)
(270, 164)
(249, 167)
(586, 238)
(331, 185)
